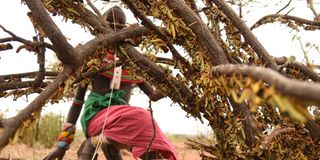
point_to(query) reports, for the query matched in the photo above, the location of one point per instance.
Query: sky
(276, 38)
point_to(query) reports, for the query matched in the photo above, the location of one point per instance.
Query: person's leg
(86, 151)
(111, 151)
(150, 155)
(81, 148)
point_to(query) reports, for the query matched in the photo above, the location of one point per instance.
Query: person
(109, 119)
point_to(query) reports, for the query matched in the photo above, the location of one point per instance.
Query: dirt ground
(22, 152)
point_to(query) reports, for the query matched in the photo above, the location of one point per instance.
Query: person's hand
(56, 154)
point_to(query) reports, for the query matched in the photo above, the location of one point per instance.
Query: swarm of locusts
(216, 95)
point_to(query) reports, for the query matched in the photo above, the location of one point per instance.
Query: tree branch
(300, 89)
(94, 8)
(194, 142)
(146, 22)
(14, 123)
(158, 74)
(18, 85)
(278, 17)
(64, 50)
(107, 39)
(41, 61)
(209, 44)
(304, 70)
(24, 41)
(247, 34)
(4, 47)
(215, 53)
(265, 143)
(315, 13)
(28, 75)
(8, 39)
(314, 131)
(249, 123)
(284, 7)
(298, 66)
(83, 52)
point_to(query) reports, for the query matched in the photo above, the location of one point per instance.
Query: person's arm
(154, 95)
(76, 106)
(68, 130)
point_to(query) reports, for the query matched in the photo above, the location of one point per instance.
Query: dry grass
(36, 143)
(37, 152)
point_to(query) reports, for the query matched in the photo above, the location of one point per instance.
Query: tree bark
(247, 34)
(250, 125)
(64, 50)
(298, 89)
(216, 57)
(17, 85)
(209, 44)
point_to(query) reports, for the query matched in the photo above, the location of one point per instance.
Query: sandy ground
(22, 152)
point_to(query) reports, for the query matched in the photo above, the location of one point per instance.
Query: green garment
(96, 102)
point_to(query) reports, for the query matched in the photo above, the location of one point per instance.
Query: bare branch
(195, 142)
(284, 7)
(4, 47)
(8, 39)
(164, 61)
(10, 33)
(94, 8)
(14, 123)
(310, 5)
(18, 85)
(41, 61)
(24, 41)
(278, 17)
(28, 75)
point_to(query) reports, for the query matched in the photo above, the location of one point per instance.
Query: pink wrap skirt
(131, 126)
